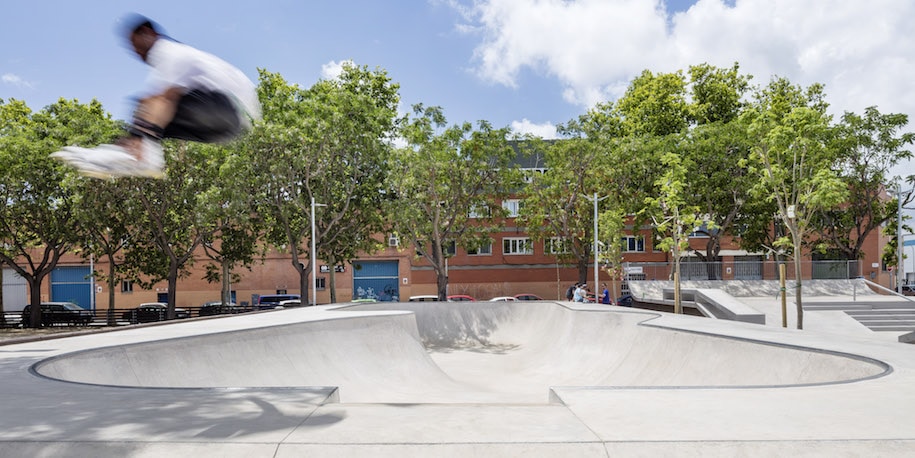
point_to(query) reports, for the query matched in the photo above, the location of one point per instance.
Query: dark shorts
(204, 116)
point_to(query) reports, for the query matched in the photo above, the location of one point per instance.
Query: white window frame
(481, 211)
(485, 250)
(629, 240)
(557, 245)
(512, 207)
(517, 246)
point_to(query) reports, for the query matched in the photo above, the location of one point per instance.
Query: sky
(524, 64)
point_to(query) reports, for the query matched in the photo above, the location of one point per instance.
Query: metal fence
(741, 270)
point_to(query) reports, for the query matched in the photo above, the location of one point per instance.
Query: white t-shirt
(177, 64)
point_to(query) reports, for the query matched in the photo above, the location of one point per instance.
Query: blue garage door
(377, 280)
(72, 284)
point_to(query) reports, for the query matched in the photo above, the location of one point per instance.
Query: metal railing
(741, 270)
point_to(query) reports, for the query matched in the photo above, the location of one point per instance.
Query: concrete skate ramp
(459, 352)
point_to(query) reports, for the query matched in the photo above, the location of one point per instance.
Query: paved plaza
(462, 379)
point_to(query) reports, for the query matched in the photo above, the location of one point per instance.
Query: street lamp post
(595, 199)
(899, 255)
(314, 258)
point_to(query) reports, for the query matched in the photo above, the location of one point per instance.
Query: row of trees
(705, 151)
(701, 150)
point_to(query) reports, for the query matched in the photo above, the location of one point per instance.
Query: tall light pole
(314, 257)
(899, 254)
(595, 199)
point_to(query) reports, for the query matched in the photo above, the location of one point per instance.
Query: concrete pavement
(452, 379)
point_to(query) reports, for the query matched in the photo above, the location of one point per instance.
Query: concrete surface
(459, 379)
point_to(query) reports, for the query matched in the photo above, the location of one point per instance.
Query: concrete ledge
(907, 338)
(719, 304)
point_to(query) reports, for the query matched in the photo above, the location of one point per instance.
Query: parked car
(58, 313)
(152, 311)
(528, 297)
(217, 308)
(503, 299)
(460, 298)
(272, 301)
(290, 303)
(424, 298)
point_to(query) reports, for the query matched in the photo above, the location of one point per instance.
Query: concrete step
(881, 314)
(892, 328)
(830, 307)
(870, 323)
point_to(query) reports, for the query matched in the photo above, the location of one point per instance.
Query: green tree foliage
(671, 213)
(229, 205)
(441, 178)
(868, 146)
(655, 105)
(36, 218)
(793, 162)
(102, 213)
(713, 148)
(329, 144)
(170, 217)
(556, 207)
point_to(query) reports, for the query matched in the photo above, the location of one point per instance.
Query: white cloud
(333, 69)
(861, 51)
(15, 80)
(545, 131)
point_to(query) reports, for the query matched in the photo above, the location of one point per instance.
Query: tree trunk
(441, 280)
(226, 295)
(172, 291)
(583, 271)
(333, 283)
(797, 290)
(2, 311)
(112, 283)
(34, 300)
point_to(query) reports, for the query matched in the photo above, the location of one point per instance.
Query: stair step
(879, 314)
(892, 328)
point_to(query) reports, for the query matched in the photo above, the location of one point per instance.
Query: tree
(714, 147)
(556, 208)
(363, 106)
(326, 144)
(169, 219)
(792, 162)
(446, 183)
(100, 212)
(230, 207)
(36, 224)
(869, 146)
(672, 215)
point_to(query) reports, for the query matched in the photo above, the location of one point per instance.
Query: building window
(703, 231)
(512, 207)
(633, 244)
(480, 211)
(557, 245)
(320, 283)
(517, 245)
(484, 250)
(126, 286)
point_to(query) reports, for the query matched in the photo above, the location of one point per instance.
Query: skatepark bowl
(481, 352)
(455, 379)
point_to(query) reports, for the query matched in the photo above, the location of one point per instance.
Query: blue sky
(529, 64)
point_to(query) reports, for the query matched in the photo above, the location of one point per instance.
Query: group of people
(579, 293)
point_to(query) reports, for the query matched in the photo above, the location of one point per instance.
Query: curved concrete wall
(457, 352)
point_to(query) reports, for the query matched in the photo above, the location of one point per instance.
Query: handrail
(884, 288)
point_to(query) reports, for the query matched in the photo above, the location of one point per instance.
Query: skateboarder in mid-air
(193, 96)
